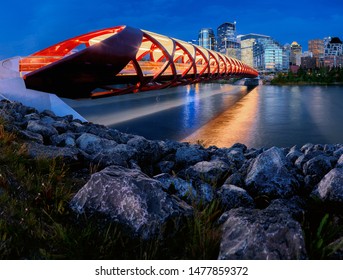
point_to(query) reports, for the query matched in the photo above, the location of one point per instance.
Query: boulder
(340, 162)
(301, 160)
(103, 159)
(177, 186)
(32, 117)
(147, 151)
(91, 143)
(252, 153)
(31, 136)
(330, 188)
(309, 147)
(212, 172)
(205, 193)
(293, 154)
(269, 234)
(43, 129)
(36, 150)
(119, 137)
(64, 140)
(130, 198)
(126, 152)
(270, 175)
(190, 155)
(319, 166)
(236, 179)
(339, 152)
(232, 196)
(165, 166)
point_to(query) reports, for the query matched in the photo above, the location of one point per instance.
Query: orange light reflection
(234, 125)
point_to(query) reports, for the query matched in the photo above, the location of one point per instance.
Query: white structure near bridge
(12, 88)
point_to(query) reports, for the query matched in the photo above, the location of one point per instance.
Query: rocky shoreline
(265, 194)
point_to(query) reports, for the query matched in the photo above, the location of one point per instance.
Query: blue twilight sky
(28, 26)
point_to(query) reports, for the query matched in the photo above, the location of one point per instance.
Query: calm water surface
(222, 115)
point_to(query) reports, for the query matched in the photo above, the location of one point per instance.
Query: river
(221, 114)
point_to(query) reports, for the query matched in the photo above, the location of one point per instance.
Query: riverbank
(303, 83)
(76, 190)
(320, 76)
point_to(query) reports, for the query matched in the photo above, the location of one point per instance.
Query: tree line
(323, 75)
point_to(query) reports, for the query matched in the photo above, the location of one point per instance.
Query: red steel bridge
(121, 60)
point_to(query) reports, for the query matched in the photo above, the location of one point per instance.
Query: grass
(37, 223)
(322, 226)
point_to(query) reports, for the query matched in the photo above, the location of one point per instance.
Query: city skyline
(31, 26)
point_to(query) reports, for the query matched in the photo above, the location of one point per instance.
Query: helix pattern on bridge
(122, 60)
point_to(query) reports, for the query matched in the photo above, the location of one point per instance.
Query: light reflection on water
(222, 115)
(232, 126)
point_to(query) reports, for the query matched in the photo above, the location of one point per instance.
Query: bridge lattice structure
(123, 60)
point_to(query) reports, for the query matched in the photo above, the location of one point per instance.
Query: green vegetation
(323, 230)
(37, 223)
(317, 76)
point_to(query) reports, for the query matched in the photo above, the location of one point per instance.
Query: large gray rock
(339, 152)
(301, 160)
(91, 143)
(269, 175)
(234, 157)
(319, 166)
(175, 185)
(45, 130)
(236, 179)
(232, 196)
(165, 166)
(64, 140)
(340, 162)
(131, 198)
(148, 151)
(251, 234)
(31, 136)
(119, 137)
(189, 155)
(105, 159)
(36, 150)
(211, 172)
(206, 193)
(293, 154)
(126, 152)
(330, 188)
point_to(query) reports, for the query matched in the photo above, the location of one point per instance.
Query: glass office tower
(207, 39)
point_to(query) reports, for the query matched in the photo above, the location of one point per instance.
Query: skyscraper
(267, 55)
(247, 44)
(296, 50)
(333, 53)
(207, 39)
(286, 56)
(334, 47)
(316, 47)
(227, 40)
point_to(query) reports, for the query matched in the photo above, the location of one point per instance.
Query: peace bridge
(121, 60)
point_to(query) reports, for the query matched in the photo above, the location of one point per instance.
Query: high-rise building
(308, 61)
(334, 47)
(247, 44)
(227, 40)
(286, 57)
(296, 50)
(333, 53)
(207, 39)
(316, 47)
(267, 55)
